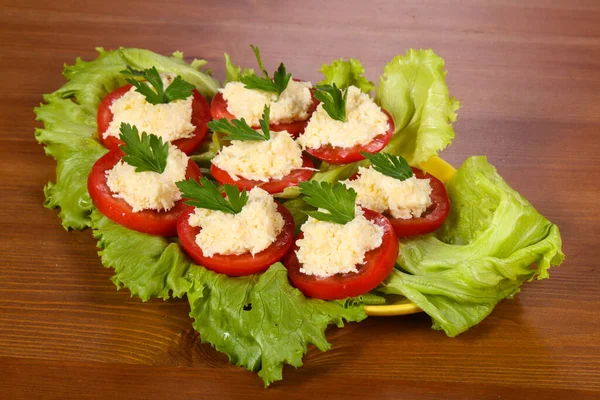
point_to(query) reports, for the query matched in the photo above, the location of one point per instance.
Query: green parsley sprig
(238, 129)
(333, 101)
(337, 199)
(389, 165)
(277, 85)
(177, 90)
(204, 194)
(145, 152)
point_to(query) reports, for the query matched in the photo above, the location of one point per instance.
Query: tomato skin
(162, 223)
(340, 155)
(236, 265)
(274, 185)
(436, 213)
(218, 110)
(379, 263)
(200, 118)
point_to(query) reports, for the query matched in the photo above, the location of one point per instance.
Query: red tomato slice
(218, 110)
(379, 263)
(163, 223)
(274, 185)
(236, 265)
(435, 215)
(200, 118)
(340, 155)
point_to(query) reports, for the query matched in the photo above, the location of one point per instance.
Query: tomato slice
(218, 110)
(200, 118)
(340, 155)
(435, 215)
(163, 223)
(236, 265)
(274, 185)
(379, 263)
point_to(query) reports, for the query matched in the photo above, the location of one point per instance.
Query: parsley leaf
(145, 153)
(204, 194)
(276, 85)
(281, 79)
(338, 200)
(238, 129)
(177, 90)
(333, 101)
(389, 165)
(259, 61)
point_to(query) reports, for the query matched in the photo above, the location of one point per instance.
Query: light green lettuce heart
(413, 90)
(483, 254)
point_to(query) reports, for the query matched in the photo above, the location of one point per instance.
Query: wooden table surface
(528, 77)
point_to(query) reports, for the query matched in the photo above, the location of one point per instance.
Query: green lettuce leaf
(346, 73)
(234, 73)
(483, 254)
(261, 321)
(69, 118)
(147, 265)
(413, 90)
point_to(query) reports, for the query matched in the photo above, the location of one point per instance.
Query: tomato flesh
(272, 186)
(163, 223)
(200, 119)
(236, 265)
(218, 110)
(435, 215)
(341, 155)
(379, 263)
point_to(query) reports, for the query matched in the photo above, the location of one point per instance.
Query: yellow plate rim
(443, 171)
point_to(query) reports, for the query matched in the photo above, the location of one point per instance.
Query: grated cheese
(252, 230)
(365, 121)
(328, 248)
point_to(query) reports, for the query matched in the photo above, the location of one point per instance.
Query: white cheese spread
(170, 121)
(328, 248)
(365, 121)
(252, 230)
(260, 160)
(149, 190)
(401, 199)
(292, 105)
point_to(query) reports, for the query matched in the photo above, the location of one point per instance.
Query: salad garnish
(204, 194)
(389, 165)
(238, 129)
(177, 90)
(338, 200)
(146, 152)
(276, 85)
(333, 101)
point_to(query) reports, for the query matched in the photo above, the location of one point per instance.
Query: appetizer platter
(278, 207)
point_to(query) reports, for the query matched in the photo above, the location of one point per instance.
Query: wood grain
(527, 76)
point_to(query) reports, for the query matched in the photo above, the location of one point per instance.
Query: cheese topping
(260, 160)
(402, 199)
(365, 121)
(251, 230)
(328, 248)
(149, 190)
(169, 121)
(292, 105)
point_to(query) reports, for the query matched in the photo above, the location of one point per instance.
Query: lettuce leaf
(483, 254)
(234, 73)
(69, 118)
(346, 73)
(413, 90)
(147, 265)
(261, 321)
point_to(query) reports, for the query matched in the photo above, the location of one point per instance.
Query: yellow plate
(399, 305)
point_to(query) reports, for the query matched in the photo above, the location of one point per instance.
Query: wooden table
(528, 77)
